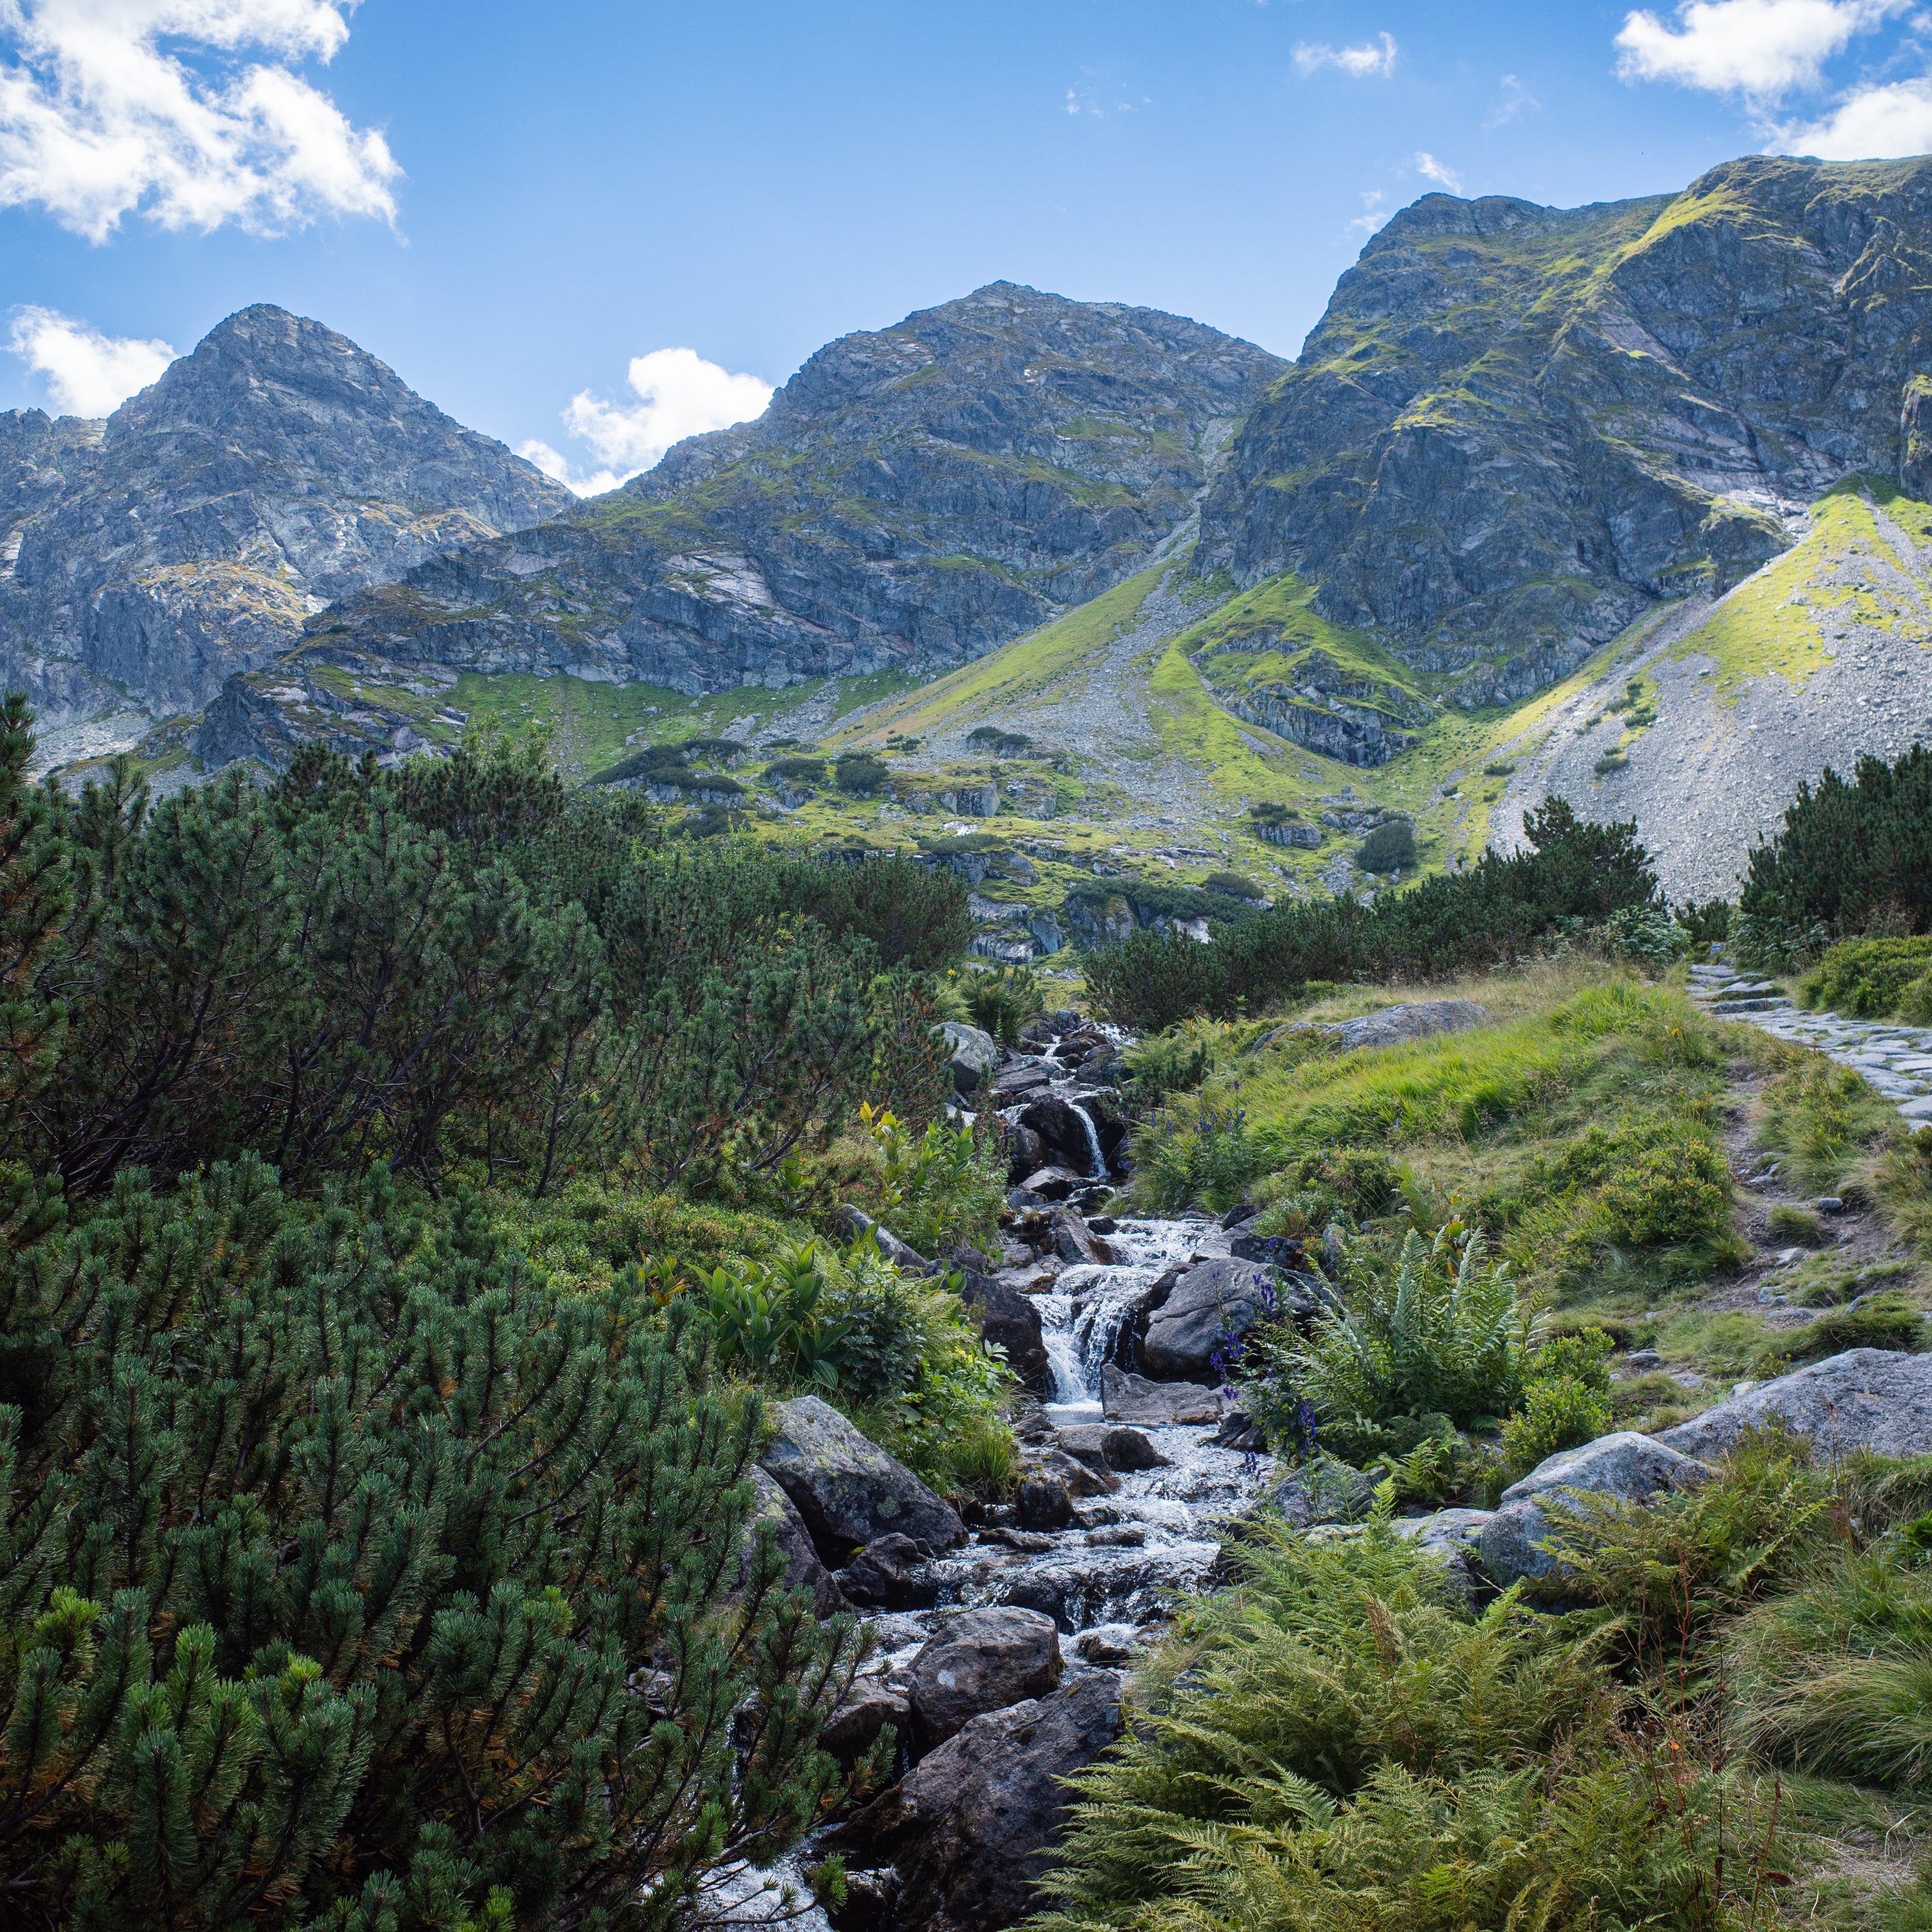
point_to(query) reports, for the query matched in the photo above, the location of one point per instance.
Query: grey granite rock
(847, 1489)
(1521, 425)
(190, 537)
(1865, 1398)
(971, 1830)
(913, 497)
(1211, 1300)
(982, 1661)
(1625, 1465)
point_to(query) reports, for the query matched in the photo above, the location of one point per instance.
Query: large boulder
(1210, 1301)
(891, 1572)
(847, 1488)
(1010, 1320)
(803, 1570)
(1626, 1465)
(975, 1054)
(1416, 1020)
(972, 1829)
(982, 1661)
(1063, 1131)
(1453, 1537)
(1865, 1398)
(1131, 1398)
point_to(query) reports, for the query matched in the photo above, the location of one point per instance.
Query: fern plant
(1442, 1334)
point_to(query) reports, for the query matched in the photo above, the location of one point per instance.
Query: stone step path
(1896, 1060)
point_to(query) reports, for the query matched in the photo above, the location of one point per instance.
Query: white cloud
(1373, 215)
(88, 374)
(108, 106)
(1516, 99)
(1369, 58)
(678, 394)
(1428, 165)
(1868, 124)
(1761, 49)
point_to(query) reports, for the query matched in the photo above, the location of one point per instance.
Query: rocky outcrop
(914, 497)
(1526, 424)
(847, 1489)
(1415, 1019)
(190, 537)
(1210, 1303)
(975, 1054)
(1865, 1398)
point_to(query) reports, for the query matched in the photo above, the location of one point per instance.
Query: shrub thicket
(455, 962)
(1875, 977)
(1390, 847)
(1500, 909)
(1847, 854)
(358, 1571)
(353, 1568)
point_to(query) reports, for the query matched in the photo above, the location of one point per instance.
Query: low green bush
(861, 772)
(1869, 977)
(1207, 1159)
(1003, 1001)
(1849, 854)
(1887, 1321)
(1232, 885)
(1502, 909)
(1439, 1333)
(1824, 1119)
(1390, 847)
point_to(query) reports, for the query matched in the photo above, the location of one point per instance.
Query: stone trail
(1896, 1060)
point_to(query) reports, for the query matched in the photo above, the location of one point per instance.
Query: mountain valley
(1624, 503)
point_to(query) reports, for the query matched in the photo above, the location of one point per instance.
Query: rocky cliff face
(190, 536)
(1516, 427)
(913, 497)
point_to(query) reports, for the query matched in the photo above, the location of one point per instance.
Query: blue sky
(510, 204)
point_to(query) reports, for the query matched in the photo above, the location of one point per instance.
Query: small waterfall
(1098, 1171)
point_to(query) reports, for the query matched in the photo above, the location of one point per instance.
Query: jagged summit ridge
(276, 466)
(914, 497)
(1517, 427)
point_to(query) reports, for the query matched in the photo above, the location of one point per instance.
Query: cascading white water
(1080, 1320)
(1097, 1170)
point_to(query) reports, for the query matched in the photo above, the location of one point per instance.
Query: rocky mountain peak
(277, 466)
(1518, 427)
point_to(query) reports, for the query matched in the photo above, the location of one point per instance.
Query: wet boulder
(1073, 1242)
(983, 1660)
(849, 1491)
(1010, 1319)
(1110, 1446)
(1133, 1398)
(972, 1829)
(1050, 1183)
(1209, 1301)
(891, 1572)
(854, 1728)
(1080, 1478)
(1062, 1131)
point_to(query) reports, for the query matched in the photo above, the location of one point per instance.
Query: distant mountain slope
(190, 535)
(1516, 427)
(914, 497)
(1702, 725)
